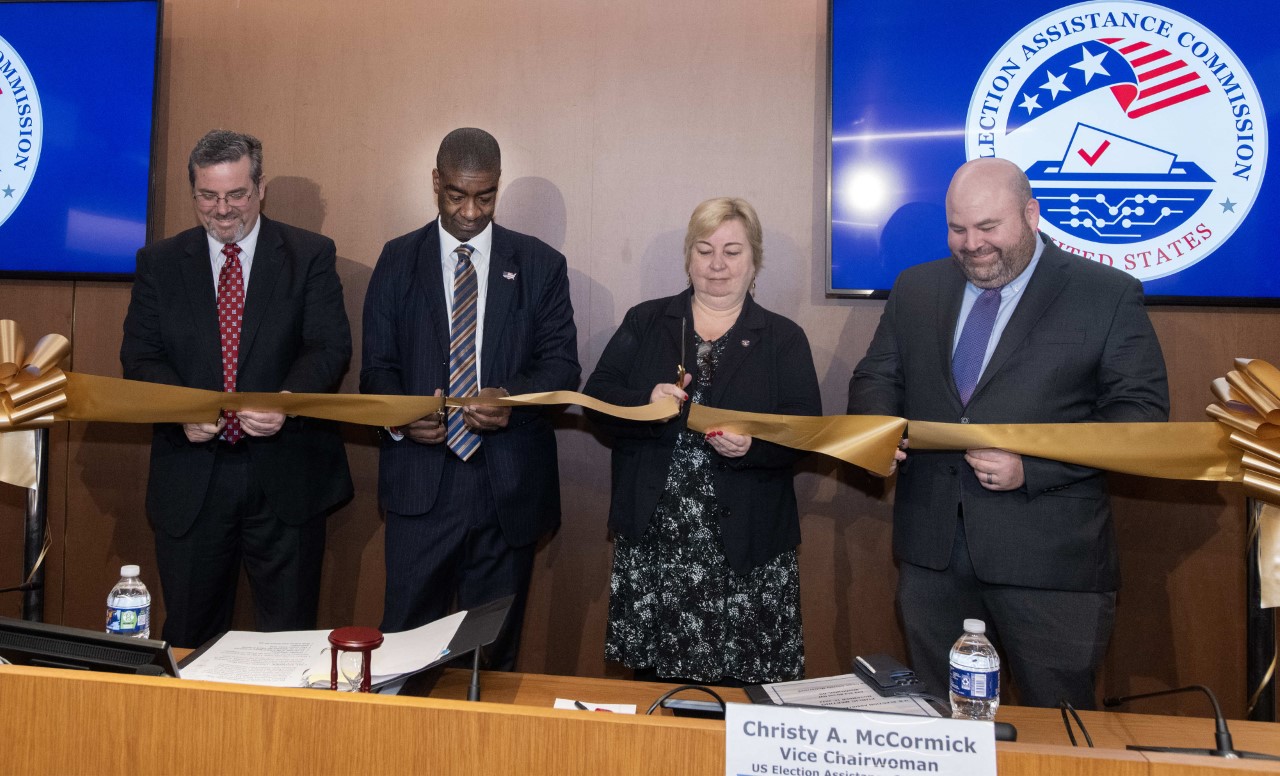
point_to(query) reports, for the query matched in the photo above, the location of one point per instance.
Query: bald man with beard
(1009, 329)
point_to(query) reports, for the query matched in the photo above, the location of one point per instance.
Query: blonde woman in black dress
(705, 585)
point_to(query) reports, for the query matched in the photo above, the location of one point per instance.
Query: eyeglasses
(207, 199)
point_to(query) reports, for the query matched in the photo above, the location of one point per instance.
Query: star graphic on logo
(8, 192)
(1031, 102)
(1055, 84)
(1091, 65)
(1228, 206)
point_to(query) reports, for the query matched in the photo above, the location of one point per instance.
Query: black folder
(479, 628)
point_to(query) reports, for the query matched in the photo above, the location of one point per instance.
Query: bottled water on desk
(129, 606)
(975, 674)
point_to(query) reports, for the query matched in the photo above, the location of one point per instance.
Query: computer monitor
(57, 646)
(78, 83)
(1172, 202)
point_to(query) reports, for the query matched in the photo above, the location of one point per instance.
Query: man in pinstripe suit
(465, 307)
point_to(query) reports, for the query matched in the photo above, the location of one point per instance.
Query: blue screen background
(94, 66)
(906, 71)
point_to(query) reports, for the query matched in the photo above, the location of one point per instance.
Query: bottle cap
(133, 571)
(970, 626)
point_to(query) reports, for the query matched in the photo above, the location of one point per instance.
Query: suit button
(964, 420)
(951, 470)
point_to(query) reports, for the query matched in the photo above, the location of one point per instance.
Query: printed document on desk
(301, 659)
(847, 691)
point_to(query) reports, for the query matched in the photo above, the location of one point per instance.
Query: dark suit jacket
(1079, 348)
(530, 345)
(295, 337)
(767, 367)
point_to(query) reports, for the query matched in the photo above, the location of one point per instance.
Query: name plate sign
(763, 740)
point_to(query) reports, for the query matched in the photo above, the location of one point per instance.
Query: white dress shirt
(1010, 295)
(482, 245)
(248, 246)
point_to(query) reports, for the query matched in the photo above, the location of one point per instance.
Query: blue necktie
(462, 352)
(966, 362)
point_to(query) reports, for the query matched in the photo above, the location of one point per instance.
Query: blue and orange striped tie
(463, 380)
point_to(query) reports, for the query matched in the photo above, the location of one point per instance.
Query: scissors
(680, 370)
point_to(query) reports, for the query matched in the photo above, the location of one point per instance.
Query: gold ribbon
(18, 458)
(868, 441)
(1241, 445)
(1169, 450)
(129, 401)
(1174, 451)
(1269, 555)
(1179, 451)
(1248, 407)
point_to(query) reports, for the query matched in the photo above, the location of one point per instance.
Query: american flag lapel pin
(508, 276)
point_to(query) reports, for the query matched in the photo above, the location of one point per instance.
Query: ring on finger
(991, 480)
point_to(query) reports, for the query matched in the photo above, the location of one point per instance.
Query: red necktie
(230, 313)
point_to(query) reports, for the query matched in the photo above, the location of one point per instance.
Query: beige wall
(615, 120)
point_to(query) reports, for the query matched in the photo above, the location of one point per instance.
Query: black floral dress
(676, 607)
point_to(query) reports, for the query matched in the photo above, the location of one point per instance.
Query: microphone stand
(36, 534)
(473, 690)
(1222, 736)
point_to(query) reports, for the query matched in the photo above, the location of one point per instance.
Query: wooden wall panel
(615, 120)
(107, 468)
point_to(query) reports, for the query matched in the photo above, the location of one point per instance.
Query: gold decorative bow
(31, 390)
(32, 387)
(1249, 407)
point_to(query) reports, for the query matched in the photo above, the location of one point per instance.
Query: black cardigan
(767, 367)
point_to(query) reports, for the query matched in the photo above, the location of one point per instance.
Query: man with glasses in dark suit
(239, 303)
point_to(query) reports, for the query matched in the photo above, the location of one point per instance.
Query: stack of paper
(302, 659)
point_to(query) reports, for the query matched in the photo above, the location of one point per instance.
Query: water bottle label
(128, 621)
(975, 685)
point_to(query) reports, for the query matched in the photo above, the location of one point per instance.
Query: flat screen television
(57, 646)
(1143, 128)
(77, 123)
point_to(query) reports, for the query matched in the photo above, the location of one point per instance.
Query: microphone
(1222, 736)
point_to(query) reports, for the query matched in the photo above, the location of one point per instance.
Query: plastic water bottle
(129, 606)
(975, 674)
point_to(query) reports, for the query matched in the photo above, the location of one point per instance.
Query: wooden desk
(1110, 730)
(69, 722)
